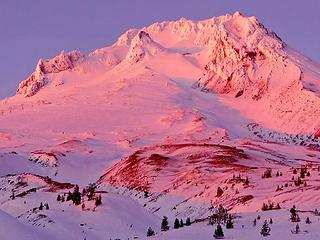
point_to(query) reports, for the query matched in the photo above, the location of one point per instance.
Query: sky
(34, 29)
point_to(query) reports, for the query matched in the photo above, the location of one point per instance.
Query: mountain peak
(38, 79)
(142, 45)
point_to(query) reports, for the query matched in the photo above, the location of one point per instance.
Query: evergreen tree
(265, 230)
(150, 232)
(165, 224)
(254, 222)
(90, 190)
(146, 194)
(76, 189)
(308, 220)
(83, 206)
(181, 223)
(176, 223)
(76, 196)
(297, 230)
(13, 195)
(229, 223)
(246, 182)
(59, 198)
(294, 216)
(98, 201)
(69, 196)
(41, 206)
(264, 207)
(188, 222)
(218, 233)
(47, 206)
(270, 221)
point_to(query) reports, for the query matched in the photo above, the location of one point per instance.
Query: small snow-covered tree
(297, 229)
(294, 216)
(98, 200)
(308, 220)
(41, 206)
(246, 182)
(218, 232)
(165, 224)
(176, 223)
(265, 230)
(181, 223)
(188, 222)
(229, 223)
(150, 232)
(13, 195)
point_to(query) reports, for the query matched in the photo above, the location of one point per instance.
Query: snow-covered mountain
(173, 119)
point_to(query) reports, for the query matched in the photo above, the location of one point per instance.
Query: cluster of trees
(76, 197)
(270, 206)
(267, 173)
(246, 181)
(44, 206)
(165, 225)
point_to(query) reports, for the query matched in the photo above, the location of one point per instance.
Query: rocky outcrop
(236, 50)
(38, 79)
(142, 45)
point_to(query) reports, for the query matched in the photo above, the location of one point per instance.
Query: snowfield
(175, 119)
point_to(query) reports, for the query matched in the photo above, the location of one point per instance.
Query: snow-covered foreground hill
(172, 120)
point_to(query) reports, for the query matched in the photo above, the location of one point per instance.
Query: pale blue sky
(33, 29)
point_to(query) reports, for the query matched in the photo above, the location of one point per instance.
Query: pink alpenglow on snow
(201, 124)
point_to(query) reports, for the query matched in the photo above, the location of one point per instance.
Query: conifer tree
(165, 224)
(246, 182)
(181, 223)
(265, 230)
(13, 195)
(150, 232)
(98, 201)
(308, 220)
(229, 223)
(218, 233)
(41, 206)
(176, 223)
(188, 222)
(76, 196)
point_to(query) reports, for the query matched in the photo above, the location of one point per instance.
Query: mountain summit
(237, 56)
